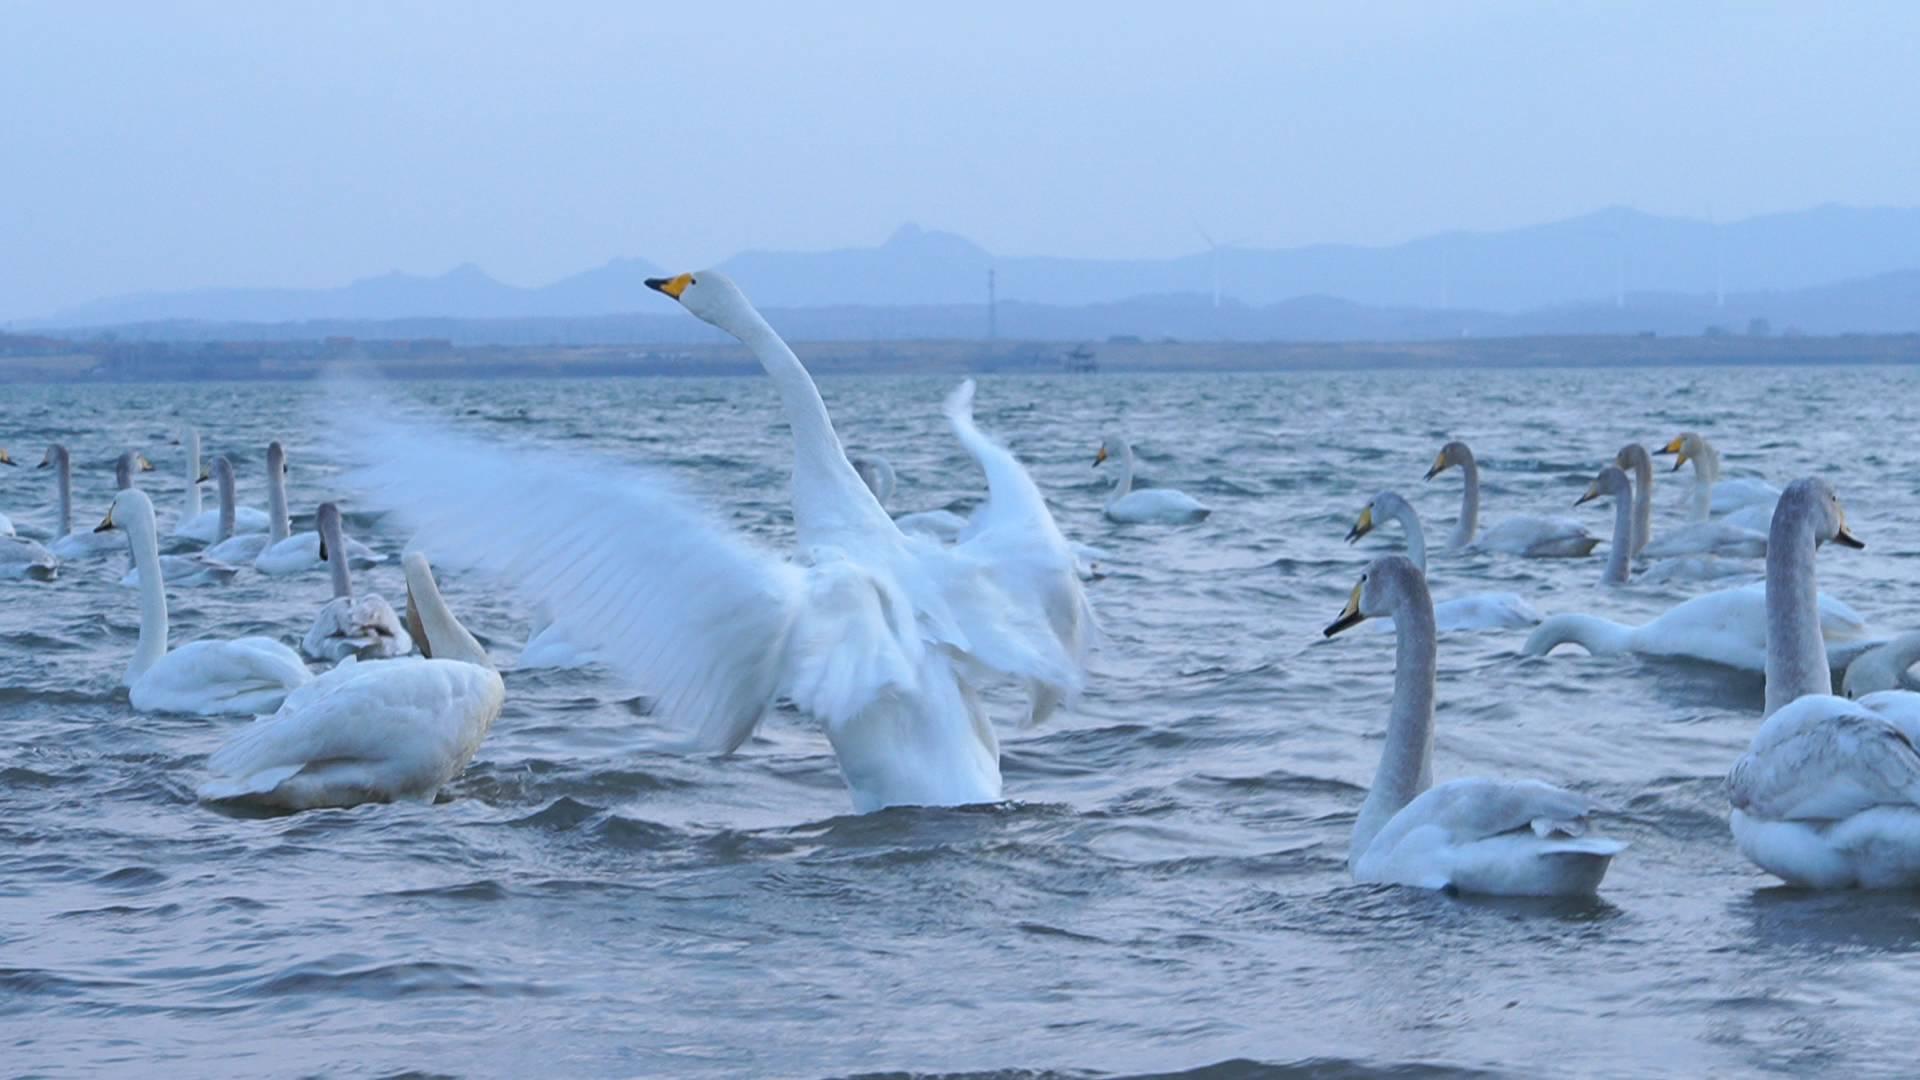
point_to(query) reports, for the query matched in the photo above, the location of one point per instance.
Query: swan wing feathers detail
(1822, 758)
(1473, 809)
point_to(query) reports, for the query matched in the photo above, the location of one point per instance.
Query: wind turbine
(1213, 257)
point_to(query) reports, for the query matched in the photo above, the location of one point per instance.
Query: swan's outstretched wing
(631, 568)
(1822, 758)
(1012, 537)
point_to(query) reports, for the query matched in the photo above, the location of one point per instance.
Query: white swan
(1531, 536)
(206, 678)
(1478, 611)
(1158, 506)
(241, 549)
(1726, 627)
(292, 553)
(879, 637)
(1502, 837)
(1613, 481)
(359, 626)
(26, 559)
(1828, 794)
(1723, 537)
(204, 525)
(1883, 667)
(1713, 495)
(373, 731)
(877, 472)
(68, 545)
(177, 570)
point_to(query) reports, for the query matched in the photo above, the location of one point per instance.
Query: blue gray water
(1164, 888)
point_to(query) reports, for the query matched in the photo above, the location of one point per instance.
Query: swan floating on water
(1499, 837)
(1478, 611)
(288, 552)
(1531, 536)
(68, 545)
(1752, 499)
(244, 676)
(1828, 794)
(1148, 506)
(204, 525)
(239, 550)
(178, 570)
(364, 626)
(1698, 538)
(879, 637)
(26, 559)
(877, 472)
(1883, 667)
(370, 731)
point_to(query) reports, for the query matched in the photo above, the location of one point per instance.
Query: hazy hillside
(1584, 263)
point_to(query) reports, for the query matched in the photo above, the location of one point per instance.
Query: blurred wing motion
(631, 568)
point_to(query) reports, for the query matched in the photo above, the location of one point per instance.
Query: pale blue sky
(178, 145)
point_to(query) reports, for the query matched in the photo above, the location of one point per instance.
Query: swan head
(710, 295)
(1684, 447)
(1813, 498)
(131, 511)
(1454, 453)
(1634, 456)
(7, 459)
(1388, 582)
(877, 473)
(1611, 481)
(129, 463)
(1387, 504)
(222, 472)
(276, 458)
(1111, 446)
(56, 454)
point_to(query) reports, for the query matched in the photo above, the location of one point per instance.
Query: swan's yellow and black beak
(7, 459)
(1349, 616)
(1099, 456)
(1439, 465)
(1593, 492)
(1845, 538)
(1363, 526)
(204, 476)
(672, 286)
(1677, 447)
(107, 525)
(143, 463)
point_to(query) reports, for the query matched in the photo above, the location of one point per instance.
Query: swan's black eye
(693, 280)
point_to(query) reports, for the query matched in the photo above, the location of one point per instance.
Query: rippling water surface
(1165, 887)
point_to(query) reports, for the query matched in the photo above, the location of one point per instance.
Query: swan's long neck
(1642, 505)
(1406, 761)
(1123, 487)
(1598, 636)
(1469, 525)
(1796, 652)
(446, 639)
(227, 500)
(336, 543)
(277, 524)
(828, 495)
(63, 490)
(153, 597)
(1416, 536)
(193, 472)
(1624, 533)
(1706, 469)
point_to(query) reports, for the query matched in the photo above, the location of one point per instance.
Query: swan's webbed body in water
(1531, 536)
(878, 637)
(1828, 794)
(1499, 837)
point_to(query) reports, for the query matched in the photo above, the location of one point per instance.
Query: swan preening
(245, 676)
(879, 638)
(1828, 795)
(1161, 506)
(1502, 837)
(1531, 536)
(359, 626)
(370, 731)
(1478, 611)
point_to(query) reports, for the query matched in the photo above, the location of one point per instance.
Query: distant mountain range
(1825, 270)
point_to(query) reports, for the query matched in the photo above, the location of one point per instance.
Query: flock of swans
(884, 631)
